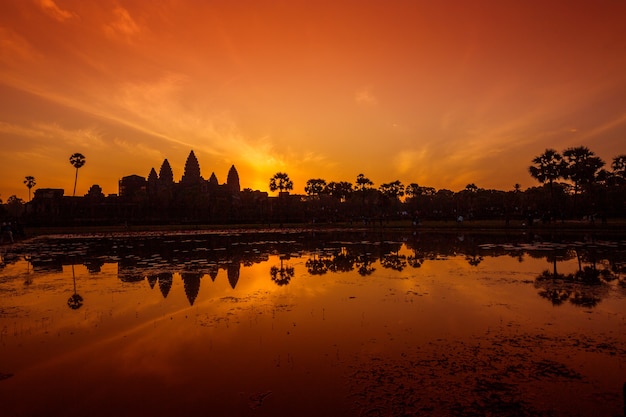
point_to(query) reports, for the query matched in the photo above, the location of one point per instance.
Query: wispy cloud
(13, 47)
(364, 97)
(123, 25)
(54, 11)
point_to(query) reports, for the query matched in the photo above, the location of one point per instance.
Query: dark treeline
(572, 185)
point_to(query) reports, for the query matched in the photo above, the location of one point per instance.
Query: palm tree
(77, 160)
(363, 183)
(548, 167)
(339, 190)
(281, 182)
(619, 167)
(315, 187)
(582, 167)
(30, 183)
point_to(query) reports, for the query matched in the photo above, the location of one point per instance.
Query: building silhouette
(157, 199)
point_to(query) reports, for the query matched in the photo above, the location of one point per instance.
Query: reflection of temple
(191, 282)
(165, 283)
(233, 273)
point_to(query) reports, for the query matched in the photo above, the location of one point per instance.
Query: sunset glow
(436, 93)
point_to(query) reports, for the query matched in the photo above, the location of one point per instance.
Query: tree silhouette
(281, 182)
(619, 166)
(77, 160)
(548, 167)
(281, 275)
(30, 183)
(582, 167)
(314, 187)
(412, 190)
(363, 183)
(339, 190)
(392, 190)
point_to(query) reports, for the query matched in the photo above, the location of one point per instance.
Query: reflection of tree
(417, 259)
(29, 277)
(474, 259)
(341, 261)
(394, 261)
(551, 287)
(317, 266)
(364, 265)
(281, 276)
(75, 301)
(585, 288)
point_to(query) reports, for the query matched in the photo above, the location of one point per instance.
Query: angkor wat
(155, 199)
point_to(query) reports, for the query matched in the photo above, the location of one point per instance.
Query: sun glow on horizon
(439, 95)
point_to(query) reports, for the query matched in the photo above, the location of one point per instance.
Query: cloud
(123, 24)
(54, 11)
(364, 97)
(84, 138)
(14, 47)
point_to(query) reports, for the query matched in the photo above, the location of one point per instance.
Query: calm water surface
(308, 324)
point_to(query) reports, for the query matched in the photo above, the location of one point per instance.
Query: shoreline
(614, 226)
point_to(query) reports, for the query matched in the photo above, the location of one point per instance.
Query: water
(304, 323)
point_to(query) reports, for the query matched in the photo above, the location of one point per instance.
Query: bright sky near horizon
(439, 93)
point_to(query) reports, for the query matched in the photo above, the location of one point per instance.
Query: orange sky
(441, 93)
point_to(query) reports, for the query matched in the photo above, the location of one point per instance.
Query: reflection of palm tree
(416, 260)
(77, 160)
(281, 276)
(75, 301)
(473, 259)
(552, 288)
(364, 265)
(342, 261)
(316, 266)
(394, 260)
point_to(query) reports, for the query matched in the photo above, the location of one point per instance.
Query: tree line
(572, 184)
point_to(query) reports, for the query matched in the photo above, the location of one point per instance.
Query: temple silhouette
(155, 199)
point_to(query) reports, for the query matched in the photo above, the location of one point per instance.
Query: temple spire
(192, 170)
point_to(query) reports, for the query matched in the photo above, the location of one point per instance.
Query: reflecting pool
(313, 323)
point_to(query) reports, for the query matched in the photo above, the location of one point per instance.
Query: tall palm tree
(363, 183)
(77, 160)
(582, 167)
(30, 183)
(548, 167)
(281, 182)
(314, 187)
